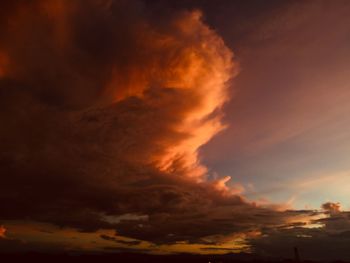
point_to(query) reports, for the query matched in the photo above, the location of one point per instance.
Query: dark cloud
(126, 250)
(327, 239)
(14, 246)
(331, 207)
(120, 241)
(105, 105)
(217, 249)
(313, 244)
(105, 109)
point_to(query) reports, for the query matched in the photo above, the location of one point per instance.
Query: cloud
(2, 232)
(120, 241)
(331, 207)
(106, 105)
(328, 230)
(280, 243)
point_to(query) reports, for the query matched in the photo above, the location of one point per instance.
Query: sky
(289, 134)
(175, 126)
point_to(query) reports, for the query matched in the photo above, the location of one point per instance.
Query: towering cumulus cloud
(111, 58)
(104, 106)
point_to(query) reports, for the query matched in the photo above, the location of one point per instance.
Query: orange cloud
(332, 208)
(112, 107)
(194, 61)
(2, 232)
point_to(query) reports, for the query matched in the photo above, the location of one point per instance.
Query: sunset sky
(160, 126)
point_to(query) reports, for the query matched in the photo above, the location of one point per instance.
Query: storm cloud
(104, 111)
(105, 106)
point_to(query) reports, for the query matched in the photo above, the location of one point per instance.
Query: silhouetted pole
(296, 254)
